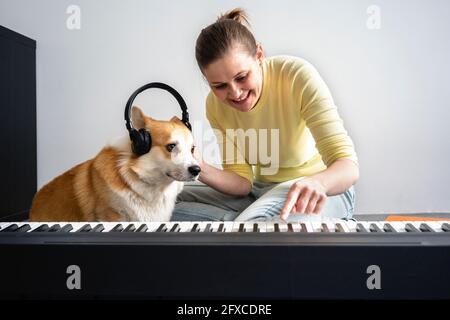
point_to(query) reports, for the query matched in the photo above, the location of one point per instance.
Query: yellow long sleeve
(293, 131)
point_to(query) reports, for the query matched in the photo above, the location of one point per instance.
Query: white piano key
(348, 226)
(21, 223)
(4, 225)
(202, 225)
(366, 224)
(34, 225)
(441, 223)
(282, 226)
(418, 223)
(216, 225)
(316, 226)
(228, 226)
(139, 224)
(435, 225)
(398, 226)
(108, 226)
(248, 226)
(351, 225)
(331, 225)
(169, 225)
(262, 226)
(309, 227)
(270, 226)
(236, 226)
(75, 225)
(380, 225)
(296, 226)
(185, 226)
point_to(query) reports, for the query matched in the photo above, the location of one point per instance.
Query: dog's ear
(176, 119)
(137, 117)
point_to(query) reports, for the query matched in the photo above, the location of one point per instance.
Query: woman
(315, 161)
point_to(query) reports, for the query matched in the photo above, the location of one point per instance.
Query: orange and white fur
(118, 185)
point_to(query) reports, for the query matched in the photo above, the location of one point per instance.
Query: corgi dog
(118, 185)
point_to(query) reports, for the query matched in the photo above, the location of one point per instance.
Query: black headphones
(141, 140)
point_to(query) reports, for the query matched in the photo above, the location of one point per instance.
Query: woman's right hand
(223, 181)
(198, 156)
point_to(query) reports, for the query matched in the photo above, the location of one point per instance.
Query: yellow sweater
(293, 131)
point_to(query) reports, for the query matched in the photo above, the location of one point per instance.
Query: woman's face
(236, 78)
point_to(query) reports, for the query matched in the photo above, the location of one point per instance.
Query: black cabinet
(18, 178)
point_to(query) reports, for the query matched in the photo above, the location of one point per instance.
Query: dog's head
(171, 153)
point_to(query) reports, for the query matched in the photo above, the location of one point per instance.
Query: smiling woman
(237, 78)
(316, 161)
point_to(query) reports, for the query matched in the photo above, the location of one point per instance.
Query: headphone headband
(185, 114)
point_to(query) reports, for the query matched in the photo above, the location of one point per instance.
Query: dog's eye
(170, 146)
(192, 149)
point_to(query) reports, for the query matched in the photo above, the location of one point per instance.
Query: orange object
(413, 218)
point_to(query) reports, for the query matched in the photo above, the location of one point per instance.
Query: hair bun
(237, 14)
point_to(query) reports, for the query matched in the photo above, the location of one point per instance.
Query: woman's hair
(228, 31)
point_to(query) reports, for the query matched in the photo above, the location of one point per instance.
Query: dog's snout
(194, 170)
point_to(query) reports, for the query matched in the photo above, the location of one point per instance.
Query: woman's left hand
(307, 195)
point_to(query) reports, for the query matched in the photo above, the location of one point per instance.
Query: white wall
(390, 85)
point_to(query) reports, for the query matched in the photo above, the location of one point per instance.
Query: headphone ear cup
(140, 141)
(146, 140)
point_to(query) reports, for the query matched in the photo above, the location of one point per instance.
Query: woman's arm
(339, 177)
(309, 195)
(223, 181)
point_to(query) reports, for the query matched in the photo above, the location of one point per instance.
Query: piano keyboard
(325, 226)
(327, 259)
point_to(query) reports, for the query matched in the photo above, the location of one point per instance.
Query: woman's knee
(340, 206)
(268, 207)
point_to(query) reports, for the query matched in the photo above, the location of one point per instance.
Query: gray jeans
(199, 202)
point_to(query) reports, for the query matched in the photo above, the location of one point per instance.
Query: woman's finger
(320, 204)
(290, 202)
(303, 200)
(313, 199)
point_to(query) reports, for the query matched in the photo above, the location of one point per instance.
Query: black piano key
(303, 227)
(339, 228)
(276, 227)
(11, 228)
(375, 228)
(220, 229)
(425, 228)
(162, 228)
(325, 228)
(241, 228)
(24, 228)
(208, 228)
(445, 227)
(66, 228)
(117, 228)
(85, 228)
(255, 227)
(98, 228)
(360, 228)
(409, 227)
(175, 228)
(130, 228)
(142, 228)
(195, 228)
(388, 228)
(290, 228)
(42, 228)
(54, 228)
